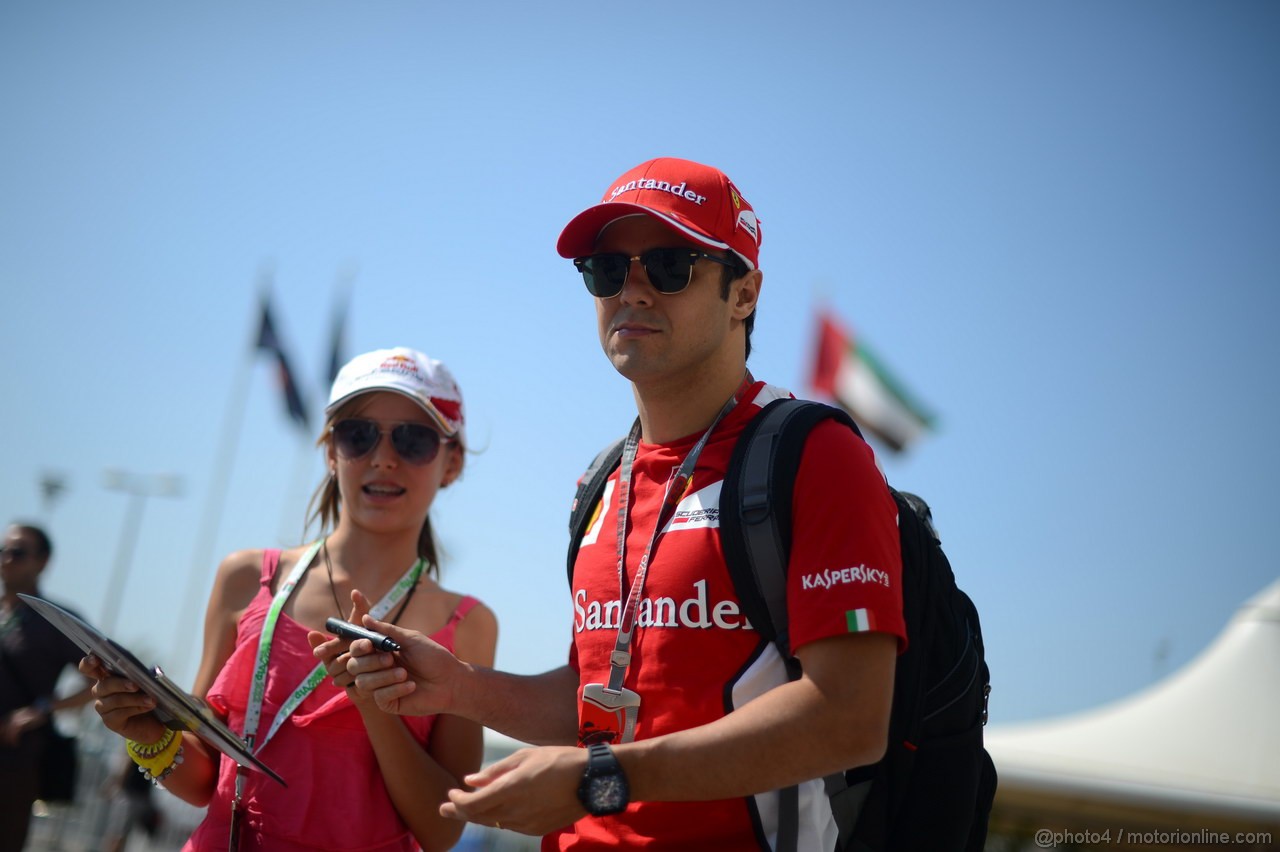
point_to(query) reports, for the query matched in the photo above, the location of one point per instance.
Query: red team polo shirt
(695, 657)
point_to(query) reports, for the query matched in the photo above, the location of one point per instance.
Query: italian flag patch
(859, 621)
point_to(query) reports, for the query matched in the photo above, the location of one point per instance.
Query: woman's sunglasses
(415, 443)
(669, 269)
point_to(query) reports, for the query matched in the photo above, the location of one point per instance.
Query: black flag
(269, 341)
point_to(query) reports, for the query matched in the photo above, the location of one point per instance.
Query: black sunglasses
(669, 269)
(17, 554)
(415, 443)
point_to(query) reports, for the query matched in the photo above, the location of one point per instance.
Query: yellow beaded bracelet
(164, 773)
(157, 765)
(146, 751)
(156, 759)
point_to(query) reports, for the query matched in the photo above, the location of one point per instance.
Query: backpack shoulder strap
(755, 508)
(590, 489)
(755, 534)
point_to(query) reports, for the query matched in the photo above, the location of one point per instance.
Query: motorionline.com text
(1050, 838)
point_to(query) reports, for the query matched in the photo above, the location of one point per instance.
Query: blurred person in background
(33, 656)
(137, 810)
(358, 778)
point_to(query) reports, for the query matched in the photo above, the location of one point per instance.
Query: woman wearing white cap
(358, 778)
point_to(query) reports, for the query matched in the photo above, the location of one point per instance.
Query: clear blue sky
(1057, 222)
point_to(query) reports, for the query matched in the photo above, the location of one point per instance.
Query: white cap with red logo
(408, 372)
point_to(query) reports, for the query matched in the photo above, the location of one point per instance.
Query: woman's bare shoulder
(476, 637)
(243, 568)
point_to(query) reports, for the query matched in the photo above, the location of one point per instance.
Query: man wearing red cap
(674, 724)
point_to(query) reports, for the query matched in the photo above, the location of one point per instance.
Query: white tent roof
(1205, 741)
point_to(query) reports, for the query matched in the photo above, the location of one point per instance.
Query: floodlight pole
(139, 488)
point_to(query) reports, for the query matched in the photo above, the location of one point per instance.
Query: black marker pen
(347, 630)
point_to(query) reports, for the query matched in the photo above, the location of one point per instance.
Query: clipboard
(176, 708)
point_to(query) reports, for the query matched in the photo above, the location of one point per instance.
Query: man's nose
(637, 288)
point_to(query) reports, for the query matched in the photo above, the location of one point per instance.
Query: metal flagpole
(293, 525)
(305, 464)
(200, 578)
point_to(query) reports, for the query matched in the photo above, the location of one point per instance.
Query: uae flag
(846, 371)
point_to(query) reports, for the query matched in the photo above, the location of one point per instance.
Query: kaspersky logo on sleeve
(844, 576)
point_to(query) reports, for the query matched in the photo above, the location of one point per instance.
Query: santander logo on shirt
(692, 611)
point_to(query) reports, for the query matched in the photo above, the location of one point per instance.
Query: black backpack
(934, 787)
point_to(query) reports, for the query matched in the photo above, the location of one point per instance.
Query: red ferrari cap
(696, 200)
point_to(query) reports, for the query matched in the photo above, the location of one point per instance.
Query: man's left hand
(534, 791)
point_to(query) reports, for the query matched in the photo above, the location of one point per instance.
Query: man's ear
(746, 293)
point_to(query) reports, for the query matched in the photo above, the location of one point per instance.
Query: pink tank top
(336, 798)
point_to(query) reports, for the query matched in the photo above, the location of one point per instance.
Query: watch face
(608, 794)
(604, 789)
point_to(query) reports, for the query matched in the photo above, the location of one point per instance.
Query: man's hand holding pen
(412, 682)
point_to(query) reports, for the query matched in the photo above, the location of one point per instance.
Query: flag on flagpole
(337, 333)
(269, 342)
(846, 371)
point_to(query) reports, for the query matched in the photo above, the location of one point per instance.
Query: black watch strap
(601, 760)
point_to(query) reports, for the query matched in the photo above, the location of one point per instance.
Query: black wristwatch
(603, 790)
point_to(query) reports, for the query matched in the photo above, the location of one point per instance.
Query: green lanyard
(253, 712)
(258, 689)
